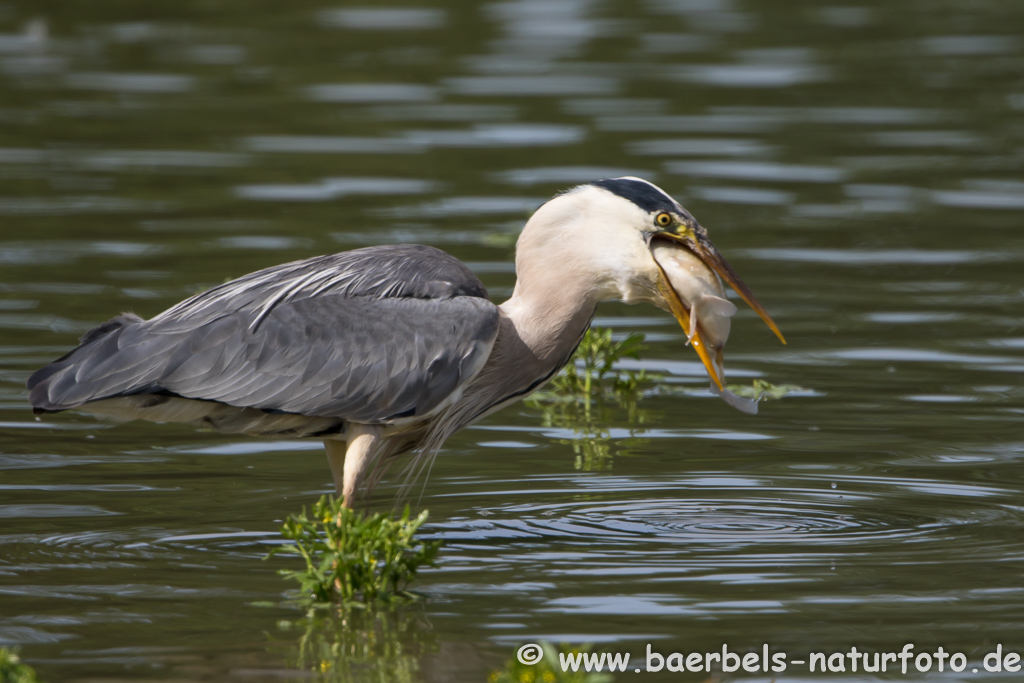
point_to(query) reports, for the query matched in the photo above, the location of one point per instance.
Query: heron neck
(550, 311)
(540, 327)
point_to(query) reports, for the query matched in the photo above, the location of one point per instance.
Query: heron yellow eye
(663, 219)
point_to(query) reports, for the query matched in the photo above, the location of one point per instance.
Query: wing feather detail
(372, 335)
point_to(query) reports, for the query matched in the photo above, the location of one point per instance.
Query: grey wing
(398, 271)
(361, 359)
(373, 335)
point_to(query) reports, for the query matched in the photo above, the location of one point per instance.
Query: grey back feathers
(394, 271)
(378, 335)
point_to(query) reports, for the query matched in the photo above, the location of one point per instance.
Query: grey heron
(390, 349)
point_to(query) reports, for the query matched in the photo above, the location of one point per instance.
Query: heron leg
(349, 462)
(336, 459)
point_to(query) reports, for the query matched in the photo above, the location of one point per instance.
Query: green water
(859, 164)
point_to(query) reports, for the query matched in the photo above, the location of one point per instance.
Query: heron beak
(682, 314)
(700, 245)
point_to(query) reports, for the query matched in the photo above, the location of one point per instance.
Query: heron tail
(58, 386)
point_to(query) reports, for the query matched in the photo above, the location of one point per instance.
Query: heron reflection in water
(391, 349)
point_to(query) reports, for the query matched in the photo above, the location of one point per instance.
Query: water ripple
(131, 82)
(382, 18)
(42, 510)
(333, 188)
(730, 518)
(371, 92)
(757, 170)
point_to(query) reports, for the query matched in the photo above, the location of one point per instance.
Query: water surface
(859, 164)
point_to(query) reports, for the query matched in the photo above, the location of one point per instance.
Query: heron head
(615, 226)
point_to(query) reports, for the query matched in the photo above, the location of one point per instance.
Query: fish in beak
(692, 272)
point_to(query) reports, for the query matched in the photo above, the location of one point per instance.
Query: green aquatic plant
(13, 670)
(763, 390)
(594, 362)
(592, 376)
(353, 558)
(547, 666)
(585, 396)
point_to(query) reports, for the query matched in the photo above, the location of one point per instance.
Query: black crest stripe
(643, 194)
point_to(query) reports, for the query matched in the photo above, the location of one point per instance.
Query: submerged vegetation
(345, 645)
(13, 670)
(592, 373)
(589, 391)
(763, 390)
(357, 568)
(585, 394)
(352, 558)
